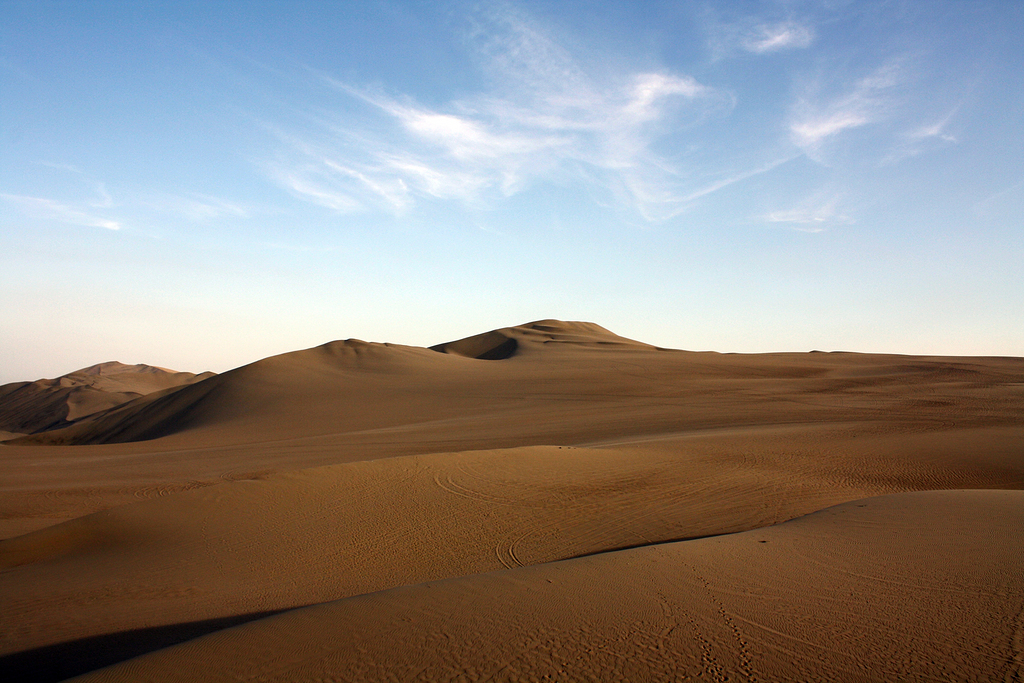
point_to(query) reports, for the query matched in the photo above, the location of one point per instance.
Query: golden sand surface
(543, 502)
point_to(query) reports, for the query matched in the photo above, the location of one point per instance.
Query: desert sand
(27, 407)
(543, 502)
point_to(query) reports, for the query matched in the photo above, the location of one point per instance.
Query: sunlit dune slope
(292, 539)
(342, 386)
(320, 534)
(919, 586)
(562, 383)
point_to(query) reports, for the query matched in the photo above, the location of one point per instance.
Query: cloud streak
(546, 119)
(197, 207)
(815, 122)
(765, 38)
(758, 36)
(814, 214)
(48, 209)
(725, 182)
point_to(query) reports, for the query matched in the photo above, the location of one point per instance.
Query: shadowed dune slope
(919, 586)
(28, 407)
(504, 343)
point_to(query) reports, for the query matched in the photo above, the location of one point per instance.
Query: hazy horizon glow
(200, 185)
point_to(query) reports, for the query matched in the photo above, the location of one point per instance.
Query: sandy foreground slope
(915, 586)
(320, 476)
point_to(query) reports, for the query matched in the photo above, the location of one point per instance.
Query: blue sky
(200, 185)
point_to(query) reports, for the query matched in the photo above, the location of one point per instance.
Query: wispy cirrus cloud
(933, 130)
(921, 138)
(312, 183)
(70, 168)
(814, 214)
(545, 117)
(816, 120)
(196, 206)
(1009, 199)
(102, 200)
(786, 35)
(94, 210)
(48, 209)
(757, 35)
(739, 177)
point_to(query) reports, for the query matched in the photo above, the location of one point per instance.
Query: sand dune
(354, 469)
(505, 343)
(29, 407)
(896, 588)
(352, 400)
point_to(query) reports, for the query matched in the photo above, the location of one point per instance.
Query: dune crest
(504, 343)
(45, 404)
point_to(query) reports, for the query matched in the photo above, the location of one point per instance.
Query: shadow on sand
(65, 660)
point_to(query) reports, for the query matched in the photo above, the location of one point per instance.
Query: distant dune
(548, 501)
(504, 343)
(31, 407)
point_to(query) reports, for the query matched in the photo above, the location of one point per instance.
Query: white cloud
(48, 209)
(812, 215)
(394, 191)
(765, 38)
(933, 131)
(62, 167)
(649, 91)
(936, 129)
(324, 195)
(920, 139)
(198, 207)
(546, 117)
(105, 201)
(725, 182)
(816, 121)
(810, 132)
(759, 36)
(1011, 196)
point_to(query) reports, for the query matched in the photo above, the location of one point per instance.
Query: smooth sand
(916, 586)
(372, 470)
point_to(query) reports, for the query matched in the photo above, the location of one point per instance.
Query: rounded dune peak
(506, 342)
(563, 326)
(341, 354)
(47, 404)
(114, 367)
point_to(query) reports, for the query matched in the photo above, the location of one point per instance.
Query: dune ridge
(538, 472)
(503, 343)
(45, 404)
